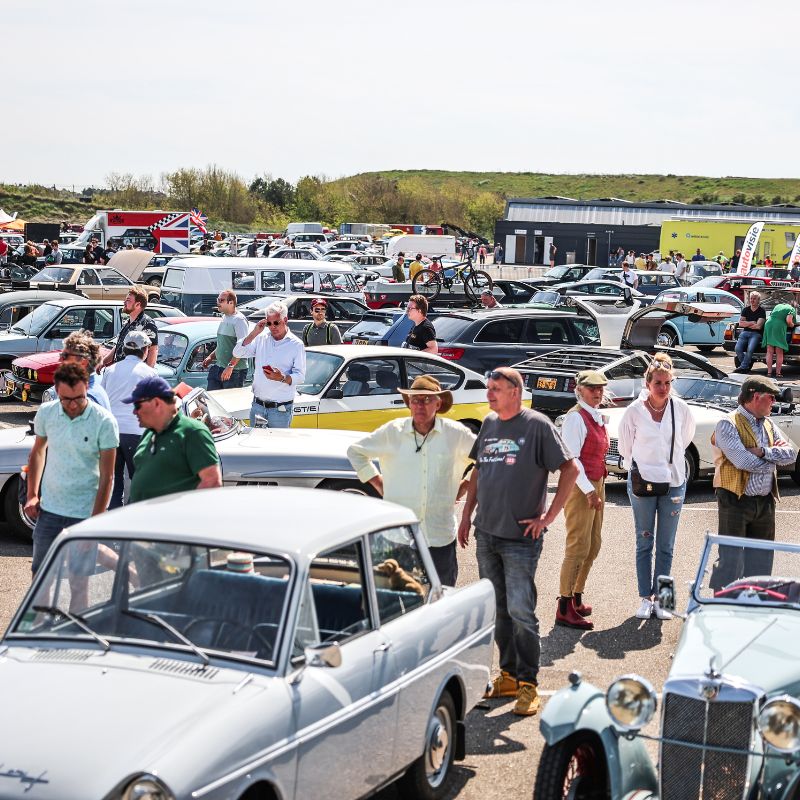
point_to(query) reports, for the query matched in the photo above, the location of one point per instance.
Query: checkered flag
(165, 221)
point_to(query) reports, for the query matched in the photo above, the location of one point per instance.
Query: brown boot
(567, 616)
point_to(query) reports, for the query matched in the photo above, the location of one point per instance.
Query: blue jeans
(47, 527)
(746, 345)
(274, 417)
(236, 381)
(659, 514)
(510, 564)
(128, 442)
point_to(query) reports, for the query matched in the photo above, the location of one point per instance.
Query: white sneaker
(645, 609)
(660, 612)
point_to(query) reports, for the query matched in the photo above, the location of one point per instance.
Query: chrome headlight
(147, 787)
(779, 723)
(631, 701)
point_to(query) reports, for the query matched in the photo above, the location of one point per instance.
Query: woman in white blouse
(645, 438)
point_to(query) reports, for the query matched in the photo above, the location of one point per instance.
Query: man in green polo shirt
(176, 453)
(227, 371)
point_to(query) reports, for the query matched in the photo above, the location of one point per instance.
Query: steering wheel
(267, 647)
(752, 587)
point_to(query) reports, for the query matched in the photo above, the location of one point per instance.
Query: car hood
(38, 360)
(754, 645)
(16, 343)
(126, 714)
(131, 263)
(15, 444)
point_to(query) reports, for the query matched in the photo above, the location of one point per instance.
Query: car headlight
(147, 787)
(779, 723)
(35, 376)
(631, 701)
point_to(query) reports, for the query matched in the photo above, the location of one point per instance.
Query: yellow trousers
(583, 538)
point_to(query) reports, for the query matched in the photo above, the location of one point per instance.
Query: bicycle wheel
(476, 282)
(427, 283)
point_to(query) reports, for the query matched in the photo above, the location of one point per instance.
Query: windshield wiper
(154, 619)
(15, 329)
(77, 619)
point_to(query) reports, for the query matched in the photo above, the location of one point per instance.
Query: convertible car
(217, 645)
(729, 723)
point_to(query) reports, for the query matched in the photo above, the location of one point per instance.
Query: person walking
(498, 254)
(423, 335)
(71, 465)
(176, 453)
(280, 365)
(134, 307)
(80, 348)
(56, 256)
(398, 271)
(225, 370)
(482, 254)
(782, 320)
(751, 323)
(553, 251)
(320, 331)
(422, 462)
(629, 277)
(515, 452)
(681, 268)
(585, 433)
(119, 380)
(748, 447)
(654, 432)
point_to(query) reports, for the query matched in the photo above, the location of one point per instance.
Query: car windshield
(171, 347)
(58, 274)
(704, 390)
(205, 599)
(749, 572)
(211, 413)
(711, 280)
(556, 272)
(35, 322)
(320, 368)
(373, 325)
(601, 273)
(708, 269)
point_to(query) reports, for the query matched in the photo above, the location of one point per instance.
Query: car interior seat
(388, 382)
(557, 336)
(357, 382)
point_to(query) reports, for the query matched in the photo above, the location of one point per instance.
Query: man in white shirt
(280, 365)
(681, 267)
(667, 266)
(422, 458)
(629, 277)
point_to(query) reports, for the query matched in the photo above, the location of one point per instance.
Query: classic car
(564, 273)
(600, 292)
(236, 661)
(357, 388)
(249, 456)
(651, 282)
(729, 724)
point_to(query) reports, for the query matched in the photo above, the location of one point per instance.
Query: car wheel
(5, 375)
(666, 338)
(353, 487)
(690, 464)
(706, 348)
(18, 521)
(154, 281)
(427, 283)
(153, 298)
(427, 777)
(574, 767)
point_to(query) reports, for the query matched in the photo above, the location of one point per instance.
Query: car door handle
(397, 402)
(382, 648)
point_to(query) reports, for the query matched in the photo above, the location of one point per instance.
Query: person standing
(698, 256)
(794, 271)
(176, 453)
(654, 432)
(667, 266)
(629, 277)
(80, 348)
(488, 300)
(320, 331)
(585, 432)
(747, 448)
(71, 464)
(735, 261)
(423, 335)
(482, 254)
(267, 248)
(553, 251)
(751, 323)
(498, 254)
(398, 271)
(226, 370)
(782, 320)
(516, 450)
(135, 304)
(422, 462)
(681, 268)
(280, 365)
(3, 252)
(415, 266)
(119, 381)
(252, 249)
(56, 255)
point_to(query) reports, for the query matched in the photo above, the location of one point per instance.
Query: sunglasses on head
(496, 375)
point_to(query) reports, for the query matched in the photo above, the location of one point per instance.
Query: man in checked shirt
(748, 447)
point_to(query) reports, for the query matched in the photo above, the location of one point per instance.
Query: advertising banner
(749, 248)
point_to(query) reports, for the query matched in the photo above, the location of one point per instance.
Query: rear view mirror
(334, 394)
(666, 592)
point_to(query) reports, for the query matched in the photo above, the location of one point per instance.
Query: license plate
(547, 383)
(360, 341)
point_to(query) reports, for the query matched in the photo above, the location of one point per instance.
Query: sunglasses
(495, 376)
(420, 400)
(275, 324)
(137, 404)
(72, 401)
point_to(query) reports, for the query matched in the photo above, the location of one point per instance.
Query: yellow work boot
(504, 685)
(527, 700)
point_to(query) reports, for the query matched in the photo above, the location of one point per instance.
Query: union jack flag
(199, 219)
(172, 233)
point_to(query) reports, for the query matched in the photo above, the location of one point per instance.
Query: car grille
(613, 448)
(694, 773)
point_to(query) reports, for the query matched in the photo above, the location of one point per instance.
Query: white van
(303, 227)
(413, 243)
(193, 284)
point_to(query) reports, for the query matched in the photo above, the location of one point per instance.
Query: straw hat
(427, 385)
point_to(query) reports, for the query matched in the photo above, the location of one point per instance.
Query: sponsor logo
(305, 409)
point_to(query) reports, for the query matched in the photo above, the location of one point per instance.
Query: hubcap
(438, 750)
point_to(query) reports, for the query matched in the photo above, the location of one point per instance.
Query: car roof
(504, 312)
(196, 327)
(195, 517)
(9, 298)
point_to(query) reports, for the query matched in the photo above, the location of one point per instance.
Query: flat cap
(590, 377)
(761, 383)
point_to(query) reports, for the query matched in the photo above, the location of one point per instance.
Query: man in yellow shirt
(415, 266)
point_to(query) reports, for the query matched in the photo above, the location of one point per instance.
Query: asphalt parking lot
(503, 750)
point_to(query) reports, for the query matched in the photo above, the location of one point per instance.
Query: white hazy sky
(704, 87)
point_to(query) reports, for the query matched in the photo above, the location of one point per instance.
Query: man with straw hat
(423, 458)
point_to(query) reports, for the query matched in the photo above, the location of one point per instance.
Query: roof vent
(184, 668)
(62, 655)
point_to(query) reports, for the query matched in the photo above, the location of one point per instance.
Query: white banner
(749, 248)
(795, 252)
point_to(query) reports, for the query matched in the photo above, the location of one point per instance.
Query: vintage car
(729, 725)
(195, 654)
(311, 459)
(358, 388)
(706, 336)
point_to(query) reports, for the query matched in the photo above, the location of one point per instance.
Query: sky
(288, 89)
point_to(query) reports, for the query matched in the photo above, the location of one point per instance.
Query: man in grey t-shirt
(515, 452)
(320, 331)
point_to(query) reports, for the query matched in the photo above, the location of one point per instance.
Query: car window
(55, 274)
(110, 277)
(301, 281)
(320, 368)
(370, 376)
(171, 347)
(633, 368)
(451, 329)
(507, 331)
(668, 280)
(449, 377)
(344, 309)
(173, 278)
(243, 280)
(337, 282)
(401, 580)
(98, 321)
(671, 295)
(199, 352)
(546, 331)
(587, 331)
(606, 288)
(88, 277)
(647, 280)
(206, 409)
(273, 280)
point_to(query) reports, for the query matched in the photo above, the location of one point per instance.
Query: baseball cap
(150, 387)
(590, 377)
(318, 301)
(761, 383)
(136, 340)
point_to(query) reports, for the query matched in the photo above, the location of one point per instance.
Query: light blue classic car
(219, 644)
(730, 714)
(682, 331)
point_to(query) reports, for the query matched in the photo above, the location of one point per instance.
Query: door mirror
(334, 394)
(324, 655)
(666, 592)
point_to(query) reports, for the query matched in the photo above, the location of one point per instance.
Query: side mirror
(786, 395)
(324, 655)
(666, 592)
(334, 394)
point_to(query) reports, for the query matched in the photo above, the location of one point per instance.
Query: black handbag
(644, 488)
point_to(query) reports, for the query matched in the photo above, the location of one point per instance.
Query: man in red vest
(585, 432)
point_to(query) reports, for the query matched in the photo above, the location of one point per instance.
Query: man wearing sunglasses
(515, 452)
(280, 366)
(320, 331)
(227, 371)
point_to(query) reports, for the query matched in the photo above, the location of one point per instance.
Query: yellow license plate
(10, 387)
(360, 341)
(547, 383)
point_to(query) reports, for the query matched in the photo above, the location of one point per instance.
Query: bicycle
(429, 282)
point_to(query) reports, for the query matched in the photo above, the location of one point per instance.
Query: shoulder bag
(644, 488)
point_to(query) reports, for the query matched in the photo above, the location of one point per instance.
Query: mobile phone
(268, 368)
